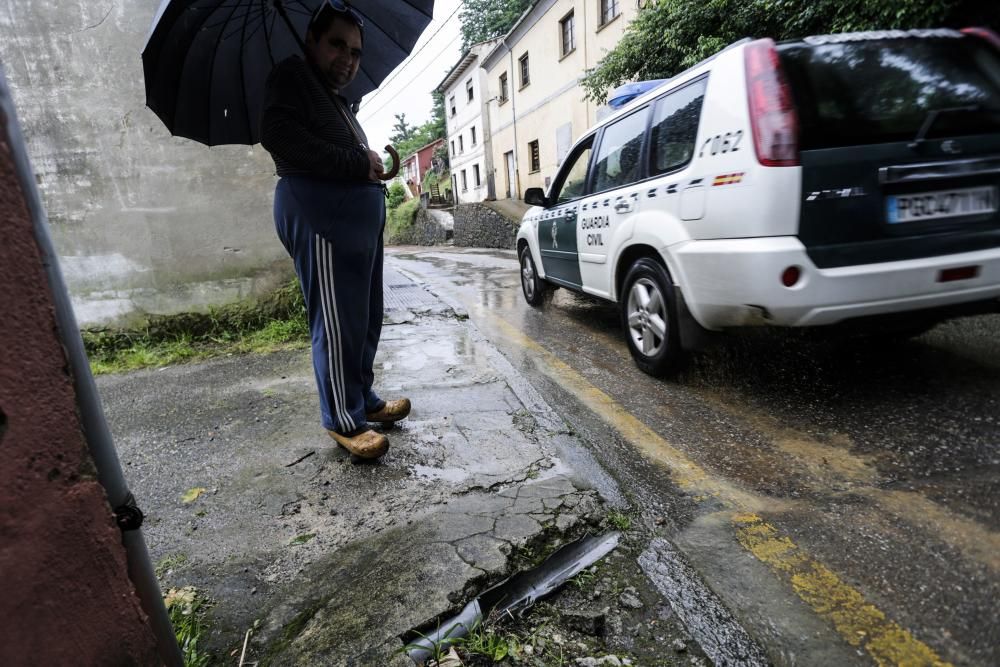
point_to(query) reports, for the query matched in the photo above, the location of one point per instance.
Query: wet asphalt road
(841, 497)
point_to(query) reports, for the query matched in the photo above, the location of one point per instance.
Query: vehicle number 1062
(722, 143)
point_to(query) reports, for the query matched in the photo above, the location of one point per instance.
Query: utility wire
(369, 116)
(413, 55)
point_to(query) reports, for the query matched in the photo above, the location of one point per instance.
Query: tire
(649, 318)
(533, 287)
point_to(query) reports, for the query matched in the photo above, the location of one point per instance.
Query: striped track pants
(339, 264)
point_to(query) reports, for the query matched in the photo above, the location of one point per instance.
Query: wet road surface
(841, 497)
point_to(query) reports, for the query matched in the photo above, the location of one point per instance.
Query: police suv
(836, 179)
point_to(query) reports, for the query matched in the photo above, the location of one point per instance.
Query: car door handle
(623, 206)
(570, 216)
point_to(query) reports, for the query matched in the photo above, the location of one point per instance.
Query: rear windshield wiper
(934, 114)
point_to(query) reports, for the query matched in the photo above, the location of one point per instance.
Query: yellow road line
(834, 469)
(859, 622)
(971, 538)
(856, 620)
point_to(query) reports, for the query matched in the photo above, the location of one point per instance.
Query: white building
(465, 102)
(534, 73)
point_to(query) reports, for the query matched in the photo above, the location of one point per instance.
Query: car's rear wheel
(649, 317)
(532, 285)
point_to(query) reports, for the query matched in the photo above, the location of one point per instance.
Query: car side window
(574, 182)
(619, 159)
(675, 127)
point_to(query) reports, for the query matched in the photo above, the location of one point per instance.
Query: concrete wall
(66, 597)
(479, 226)
(144, 223)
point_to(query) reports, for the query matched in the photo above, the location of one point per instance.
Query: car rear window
(882, 90)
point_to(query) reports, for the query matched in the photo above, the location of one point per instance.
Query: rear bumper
(737, 282)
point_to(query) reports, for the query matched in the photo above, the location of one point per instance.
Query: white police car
(837, 178)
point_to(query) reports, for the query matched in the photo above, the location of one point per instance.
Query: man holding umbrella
(329, 211)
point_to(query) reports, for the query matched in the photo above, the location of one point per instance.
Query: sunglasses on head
(343, 8)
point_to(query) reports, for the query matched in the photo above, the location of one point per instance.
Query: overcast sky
(408, 89)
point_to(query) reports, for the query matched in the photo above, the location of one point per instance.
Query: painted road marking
(859, 622)
(840, 465)
(841, 469)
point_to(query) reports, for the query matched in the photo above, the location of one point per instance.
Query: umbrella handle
(391, 174)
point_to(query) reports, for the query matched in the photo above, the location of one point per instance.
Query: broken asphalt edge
(517, 593)
(718, 631)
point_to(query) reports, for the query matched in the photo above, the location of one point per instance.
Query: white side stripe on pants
(331, 323)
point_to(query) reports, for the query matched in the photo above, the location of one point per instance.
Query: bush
(401, 218)
(397, 195)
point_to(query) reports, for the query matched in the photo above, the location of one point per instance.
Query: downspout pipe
(513, 116)
(95, 427)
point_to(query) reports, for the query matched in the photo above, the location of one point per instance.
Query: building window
(475, 175)
(468, 89)
(451, 103)
(503, 87)
(472, 131)
(461, 144)
(566, 29)
(453, 147)
(536, 162)
(525, 77)
(465, 182)
(609, 10)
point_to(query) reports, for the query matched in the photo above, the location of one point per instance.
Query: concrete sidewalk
(329, 562)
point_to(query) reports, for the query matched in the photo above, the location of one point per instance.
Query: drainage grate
(401, 293)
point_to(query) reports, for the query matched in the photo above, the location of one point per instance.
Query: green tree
(486, 19)
(438, 126)
(401, 131)
(670, 35)
(418, 137)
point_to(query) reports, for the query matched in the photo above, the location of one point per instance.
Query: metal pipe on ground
(516, 594)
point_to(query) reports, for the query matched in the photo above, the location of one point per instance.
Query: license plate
(941, 204)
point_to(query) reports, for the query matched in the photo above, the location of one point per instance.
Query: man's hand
(376, 168)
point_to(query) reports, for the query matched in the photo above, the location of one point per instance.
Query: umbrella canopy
(206, 61)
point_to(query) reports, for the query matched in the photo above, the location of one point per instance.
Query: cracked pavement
(330, 562)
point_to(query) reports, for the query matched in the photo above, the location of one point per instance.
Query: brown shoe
(365, 444)
(391, 412)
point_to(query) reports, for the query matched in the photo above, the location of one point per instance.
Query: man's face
(337, 53)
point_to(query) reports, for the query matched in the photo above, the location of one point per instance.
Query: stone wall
(479, 226)
(425, 230)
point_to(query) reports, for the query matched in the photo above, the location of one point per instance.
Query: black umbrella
(206, 61)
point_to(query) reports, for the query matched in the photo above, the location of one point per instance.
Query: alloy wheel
(647, 317)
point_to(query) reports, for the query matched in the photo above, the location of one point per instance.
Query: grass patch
(168, 563)
(401, 218)
(488, 642)
(187, 607)
(277, 321)
(619, 520)
(585, 579)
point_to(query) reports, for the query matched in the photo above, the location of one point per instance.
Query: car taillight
(772, 113)
(984, 33)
